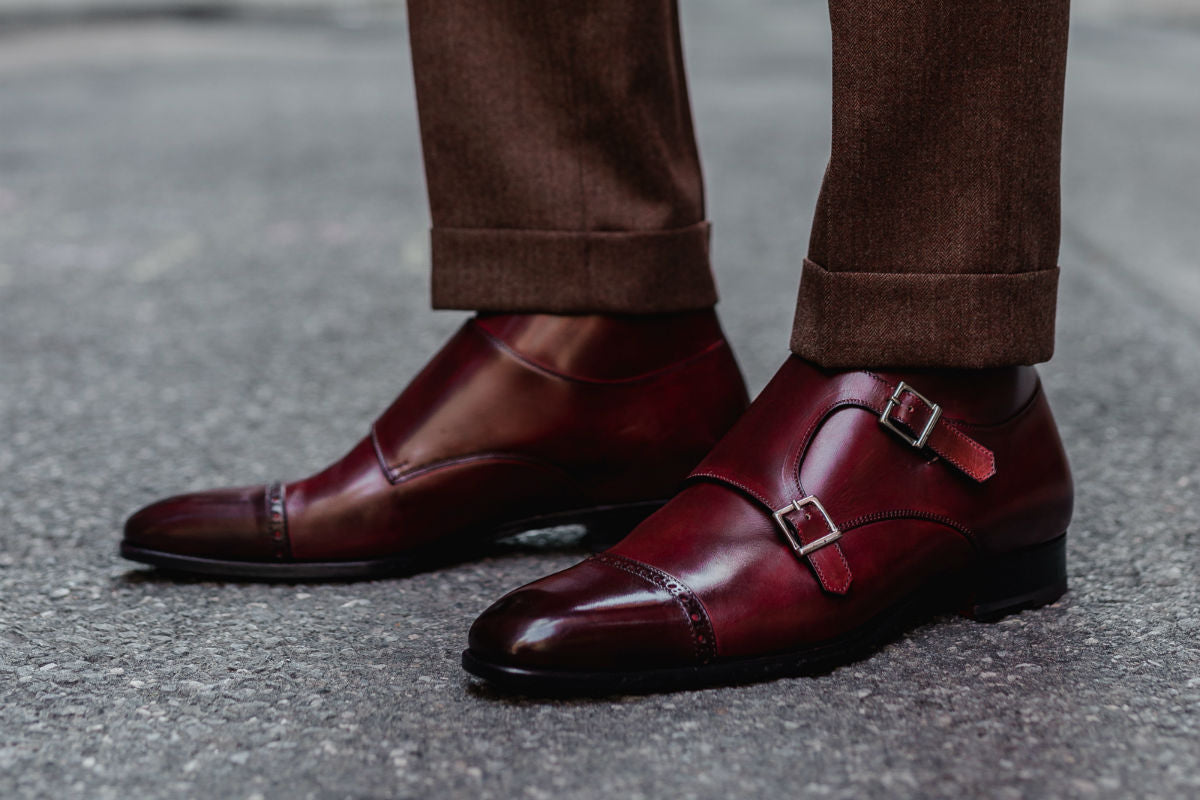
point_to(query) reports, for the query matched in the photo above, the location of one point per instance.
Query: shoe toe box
(594, 617)
(226, 524)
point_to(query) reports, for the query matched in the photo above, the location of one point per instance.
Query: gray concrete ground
(204, 229)
(1160, 11)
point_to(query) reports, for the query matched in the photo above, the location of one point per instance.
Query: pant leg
(936, 233)
(560, 158)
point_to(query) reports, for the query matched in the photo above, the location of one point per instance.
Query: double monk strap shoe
(842, 508)
(519, 422)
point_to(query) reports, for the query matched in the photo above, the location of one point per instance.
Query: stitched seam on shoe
(978, 448)
(856, 402)
(1038, 391)
(806, 439)
(275, 501)
(863, 405)
(910, 513)
(801, 452)
(957, 433)
(397, 476)
(959, 422)
(404, 471)
(841, 586)
(683, 363)
(722, 478)
(891, 385)
(704, 640)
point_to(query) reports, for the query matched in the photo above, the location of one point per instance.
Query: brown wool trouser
(564, 178)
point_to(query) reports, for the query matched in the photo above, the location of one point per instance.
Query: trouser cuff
(572, 272)
(877, 319)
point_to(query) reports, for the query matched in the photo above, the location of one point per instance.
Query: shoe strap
(919, 421)
(772, 476)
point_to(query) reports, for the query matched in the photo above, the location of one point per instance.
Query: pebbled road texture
(213, 271)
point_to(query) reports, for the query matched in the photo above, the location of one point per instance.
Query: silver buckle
(886, 417)
(800, 548)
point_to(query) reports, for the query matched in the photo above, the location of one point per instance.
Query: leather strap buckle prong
(886, 417)
(798, 546)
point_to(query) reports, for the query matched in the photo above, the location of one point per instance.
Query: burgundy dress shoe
(519, 422)
(841, 508)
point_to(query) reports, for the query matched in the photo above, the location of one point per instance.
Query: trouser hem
(565, 272)
(876, 319)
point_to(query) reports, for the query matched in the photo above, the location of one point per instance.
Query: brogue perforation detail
(703, 637)
(277, 520)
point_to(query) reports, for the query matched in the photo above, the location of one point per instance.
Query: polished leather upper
(517, 417)
(713, 576)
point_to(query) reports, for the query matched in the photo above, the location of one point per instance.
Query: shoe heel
(608, 526)
(1028, 578)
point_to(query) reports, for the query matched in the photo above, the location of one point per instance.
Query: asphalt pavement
(213, 271)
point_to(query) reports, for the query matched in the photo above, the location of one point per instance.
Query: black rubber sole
(606, 525)
(1009, 584)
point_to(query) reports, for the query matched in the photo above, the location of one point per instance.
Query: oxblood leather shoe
(520, 422)
(840, 509)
